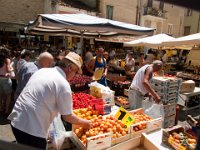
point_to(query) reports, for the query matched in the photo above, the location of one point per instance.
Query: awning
(151, 42)
(185, 41)
(85, 25)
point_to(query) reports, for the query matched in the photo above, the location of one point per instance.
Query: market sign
(124, 116)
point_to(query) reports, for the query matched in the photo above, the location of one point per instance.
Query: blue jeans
(5, 86)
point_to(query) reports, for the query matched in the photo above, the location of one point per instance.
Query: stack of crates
(168, 89)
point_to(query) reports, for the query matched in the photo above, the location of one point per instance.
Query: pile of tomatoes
(83, 100)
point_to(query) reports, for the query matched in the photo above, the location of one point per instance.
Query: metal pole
(81, 43)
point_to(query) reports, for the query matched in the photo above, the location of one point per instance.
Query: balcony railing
(154, 12)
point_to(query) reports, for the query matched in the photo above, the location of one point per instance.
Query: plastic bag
(57, 133)
(153, 109)
(100, 91)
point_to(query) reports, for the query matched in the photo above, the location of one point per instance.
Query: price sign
(124, 116)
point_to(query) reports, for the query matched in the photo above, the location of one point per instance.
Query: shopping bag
(152, 109)
(57, 133)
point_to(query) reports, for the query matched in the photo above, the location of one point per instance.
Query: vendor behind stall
(130, 62)
(140, 85)
(98, 67)
(47, 94)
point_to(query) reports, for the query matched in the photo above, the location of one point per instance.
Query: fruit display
(140, 118)
(122, 101)
(188, 76)
(87, 113)
(177, 138)
(83, 100)
(80, 83)
(100, 126)
(182, 140)
(80, 80)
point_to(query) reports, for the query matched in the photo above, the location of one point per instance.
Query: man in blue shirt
(44, 60)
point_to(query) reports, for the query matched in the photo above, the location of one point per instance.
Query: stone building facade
(165, 18)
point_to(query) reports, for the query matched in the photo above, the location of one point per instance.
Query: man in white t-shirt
(140, 85)
(46, 94)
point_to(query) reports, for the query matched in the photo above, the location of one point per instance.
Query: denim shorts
(5, 86)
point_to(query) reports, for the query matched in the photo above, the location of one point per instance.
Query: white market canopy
(154, 41)
(185, 41)
(83, 25)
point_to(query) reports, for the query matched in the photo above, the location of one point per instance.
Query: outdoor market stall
(83, 25)
(115, 127)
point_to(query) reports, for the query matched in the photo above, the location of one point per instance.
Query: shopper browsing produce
(46, 94)
(140, 85)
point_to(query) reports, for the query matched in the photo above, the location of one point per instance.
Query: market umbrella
(185, 41)
(151, 41)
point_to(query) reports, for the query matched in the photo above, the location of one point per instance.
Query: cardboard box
(169, 121)
(166, 81)
(187, 86)
(169, 109)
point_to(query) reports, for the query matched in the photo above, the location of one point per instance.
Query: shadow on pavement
(4, 120)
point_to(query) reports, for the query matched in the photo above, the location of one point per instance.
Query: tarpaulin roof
(82, 24)
(151, 41)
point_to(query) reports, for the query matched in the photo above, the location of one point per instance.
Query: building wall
(123, 11)
(20, 11)
(193, 21)
(174, 15)
(70, 10)
(127, 12)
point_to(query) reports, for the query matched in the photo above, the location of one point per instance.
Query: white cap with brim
(76, 59)
(158, 62)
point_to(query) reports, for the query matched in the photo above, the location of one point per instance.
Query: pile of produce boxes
(178, 139)
(168, 89)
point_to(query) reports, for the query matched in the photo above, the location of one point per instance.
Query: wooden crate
(98, 142)
(116, 78)
(151, 125)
